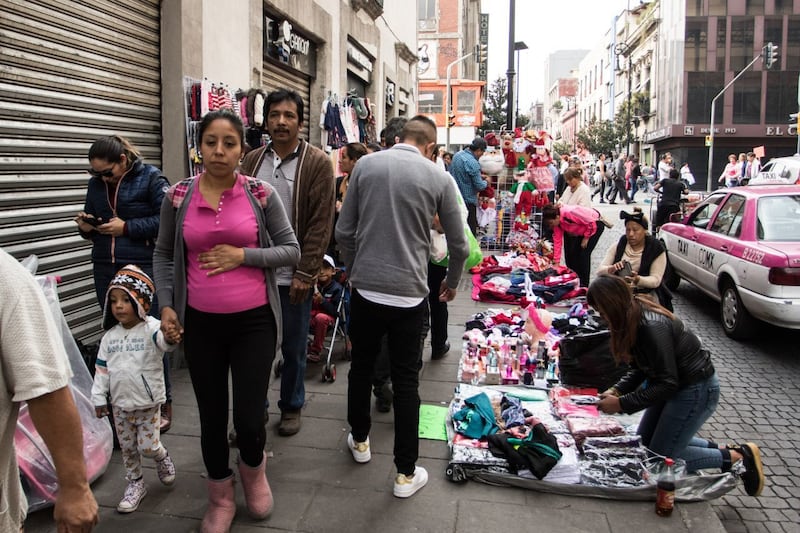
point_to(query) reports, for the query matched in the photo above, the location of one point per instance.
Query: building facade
(701, 47)
(449, 30)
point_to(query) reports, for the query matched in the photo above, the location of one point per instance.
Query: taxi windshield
(778, 217)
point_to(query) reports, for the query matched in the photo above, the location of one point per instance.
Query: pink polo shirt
(233, 223)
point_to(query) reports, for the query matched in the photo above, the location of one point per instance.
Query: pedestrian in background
(466, 170)
(731, 174)
(303, 177)
(670, 192)
(389, 289)
(601, 178)
(222, 237)
(121, 217)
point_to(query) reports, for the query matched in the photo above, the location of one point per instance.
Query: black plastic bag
(586, 360)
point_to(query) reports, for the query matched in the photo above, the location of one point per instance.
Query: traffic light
(481, 53)
(451, 120)
(770, 54)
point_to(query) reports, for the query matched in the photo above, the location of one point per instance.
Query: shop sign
(483, 38)
(359, 63)
(774, 131)
(283, 43)
(359, 58)
(655, 135)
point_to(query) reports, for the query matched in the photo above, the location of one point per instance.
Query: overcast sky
(545, 26)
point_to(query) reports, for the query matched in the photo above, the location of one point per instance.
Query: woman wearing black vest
(646, 255)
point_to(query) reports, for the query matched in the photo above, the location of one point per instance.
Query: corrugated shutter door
(71, 72)
(282, 77)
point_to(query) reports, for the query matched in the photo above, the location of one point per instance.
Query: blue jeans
(369, 322)
(669, 428)
(296, 321)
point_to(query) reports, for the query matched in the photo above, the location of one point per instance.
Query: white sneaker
(133, 496)
(406, 486)
(360, 450)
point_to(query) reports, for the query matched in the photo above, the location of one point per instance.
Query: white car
(784, 170)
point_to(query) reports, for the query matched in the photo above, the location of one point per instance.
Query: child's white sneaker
(166, 470)
(406, 486)
(360, 450)
(134, 494)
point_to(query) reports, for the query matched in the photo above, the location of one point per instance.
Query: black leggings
(242, 345)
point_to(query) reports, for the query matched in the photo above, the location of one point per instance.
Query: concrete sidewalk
(319, 488)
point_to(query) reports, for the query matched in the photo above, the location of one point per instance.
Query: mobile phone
(626, 269)
(92, 221)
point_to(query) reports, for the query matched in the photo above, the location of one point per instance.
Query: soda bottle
(665, 489)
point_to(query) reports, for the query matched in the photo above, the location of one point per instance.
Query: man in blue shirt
(467, 172)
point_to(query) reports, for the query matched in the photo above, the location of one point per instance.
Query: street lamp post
(510, 73)
(713, 109)
(450, 98)
(518, 47)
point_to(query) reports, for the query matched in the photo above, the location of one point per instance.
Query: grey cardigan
(278, 246)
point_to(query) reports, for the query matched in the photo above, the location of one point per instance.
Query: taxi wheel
(736, 320)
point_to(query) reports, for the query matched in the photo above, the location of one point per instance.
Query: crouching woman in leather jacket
(682, 389)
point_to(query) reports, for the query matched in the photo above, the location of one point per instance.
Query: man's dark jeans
(369, 322)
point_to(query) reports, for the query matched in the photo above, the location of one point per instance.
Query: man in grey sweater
(384, 235)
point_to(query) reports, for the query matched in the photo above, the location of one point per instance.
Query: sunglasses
(107, 173)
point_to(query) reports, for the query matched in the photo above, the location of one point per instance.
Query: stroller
(339, 328)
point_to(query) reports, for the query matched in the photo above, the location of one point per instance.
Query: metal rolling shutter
(70, 72)
(282, 77)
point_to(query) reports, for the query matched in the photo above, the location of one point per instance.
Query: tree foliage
(495, 105)
(639, 107)
(561, 147)
(599, 136)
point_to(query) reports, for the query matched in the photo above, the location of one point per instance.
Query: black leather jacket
(668, 356)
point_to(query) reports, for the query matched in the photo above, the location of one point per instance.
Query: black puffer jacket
(138, 202)
(668, 356)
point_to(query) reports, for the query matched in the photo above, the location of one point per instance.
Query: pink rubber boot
(257, 492)
(221, 506)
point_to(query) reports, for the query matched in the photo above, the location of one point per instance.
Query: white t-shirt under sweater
(33, 363)
(130, 366)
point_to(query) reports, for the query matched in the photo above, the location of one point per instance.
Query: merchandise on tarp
(532, 448)
(37, 470)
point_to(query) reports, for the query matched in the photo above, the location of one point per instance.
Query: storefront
(359, 70)
(71, 74)
(290, 60)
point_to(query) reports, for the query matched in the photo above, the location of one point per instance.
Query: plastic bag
(37, 471)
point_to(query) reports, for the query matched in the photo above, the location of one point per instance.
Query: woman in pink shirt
(578, 221)
(222, 235)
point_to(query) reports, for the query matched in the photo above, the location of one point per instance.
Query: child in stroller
(324, 307)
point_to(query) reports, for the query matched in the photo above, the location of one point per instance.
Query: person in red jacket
(578, 221)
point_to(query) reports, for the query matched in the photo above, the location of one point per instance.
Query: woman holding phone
(120, 217)
(639, 259)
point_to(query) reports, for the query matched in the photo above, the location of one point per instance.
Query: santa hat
(517, 132)
(542, 139)
(139, 288)
(491, 139)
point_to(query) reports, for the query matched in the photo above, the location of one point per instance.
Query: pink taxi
(741, 246)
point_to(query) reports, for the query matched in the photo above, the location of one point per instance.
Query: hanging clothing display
(204, 96)
(350, 121)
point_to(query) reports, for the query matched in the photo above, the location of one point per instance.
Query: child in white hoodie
(130, 370)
